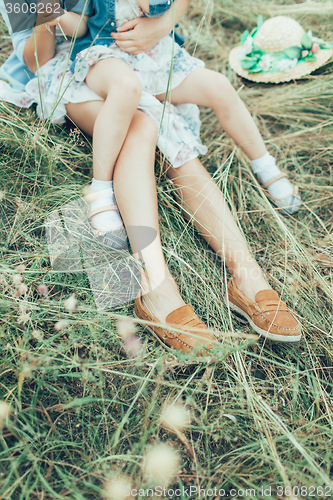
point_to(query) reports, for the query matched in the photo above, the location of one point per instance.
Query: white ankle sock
(266, 168)
(111, 219)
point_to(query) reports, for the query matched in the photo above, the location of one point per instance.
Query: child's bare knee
(222, 90)
(129, 86)
(222, 82)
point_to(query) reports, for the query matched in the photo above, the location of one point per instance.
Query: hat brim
(302, 69)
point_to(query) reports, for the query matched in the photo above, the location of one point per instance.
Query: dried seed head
(70, 303)
(61, 325)
(3, 280)
(42, 290)
(23, 319)
(2, 195)
(161, 463)
(17, 279)
(117, 488)
(23, 308)
(133, 346)
(4, 413)
(20, 268)
(175, 417)
(21, 290)
(37, 334)
(125, 328)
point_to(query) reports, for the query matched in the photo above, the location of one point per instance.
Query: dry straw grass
(82, 412)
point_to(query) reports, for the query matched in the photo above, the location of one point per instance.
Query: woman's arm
(143, 33)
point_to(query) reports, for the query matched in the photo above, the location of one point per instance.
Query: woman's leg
(201, 197)
(134, 183)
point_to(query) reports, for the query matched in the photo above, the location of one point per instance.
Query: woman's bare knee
(145, 127)
(84, 114)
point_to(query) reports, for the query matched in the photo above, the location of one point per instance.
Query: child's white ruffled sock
(266, 169)
(106, 221)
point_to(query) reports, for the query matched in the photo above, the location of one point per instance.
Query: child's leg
(113, 80)
(116, 82)
(202, 198)
(211, 89)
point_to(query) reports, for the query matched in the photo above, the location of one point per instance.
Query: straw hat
(278, 50)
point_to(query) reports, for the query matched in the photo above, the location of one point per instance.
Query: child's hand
(141, 34)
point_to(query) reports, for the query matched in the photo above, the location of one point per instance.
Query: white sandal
(114, 238)
(289, 204)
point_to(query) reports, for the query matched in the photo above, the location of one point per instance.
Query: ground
(83, 411)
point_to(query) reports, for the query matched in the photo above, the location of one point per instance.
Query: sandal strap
(282, 175)
(291, 197)
(100, 210)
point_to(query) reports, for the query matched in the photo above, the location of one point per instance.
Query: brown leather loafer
(268, 315)
(195, 335)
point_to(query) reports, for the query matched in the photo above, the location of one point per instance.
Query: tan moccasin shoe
(195, 335)
(268, 315)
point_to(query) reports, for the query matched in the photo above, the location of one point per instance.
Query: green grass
(83, 412)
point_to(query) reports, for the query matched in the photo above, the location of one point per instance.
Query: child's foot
(105, 219)
(284, 195)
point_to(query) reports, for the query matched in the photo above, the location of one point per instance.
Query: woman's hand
(141, 34)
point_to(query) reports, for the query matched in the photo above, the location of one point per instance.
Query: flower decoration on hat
(255, 59)
(278, 45)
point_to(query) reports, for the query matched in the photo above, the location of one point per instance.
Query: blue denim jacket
(103, 22)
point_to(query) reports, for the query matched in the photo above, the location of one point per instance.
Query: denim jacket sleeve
(19, 38)
(157, 8)
(78, 6)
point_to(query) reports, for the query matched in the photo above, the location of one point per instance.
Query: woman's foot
(163, 299)
(249, 279)
(165, 305)
(267, 314)
(251, 296)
